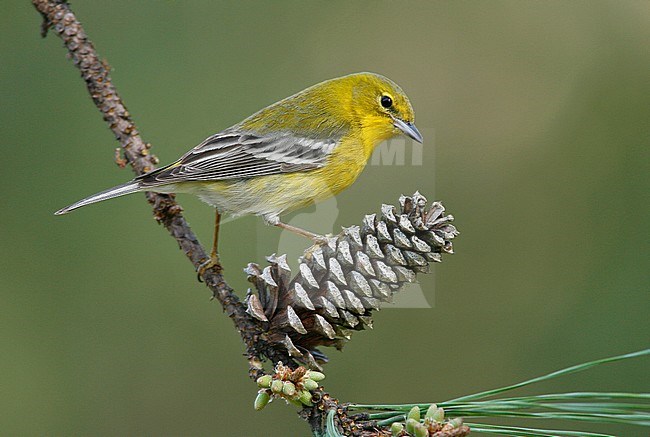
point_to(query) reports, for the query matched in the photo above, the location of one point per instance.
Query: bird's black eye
(386, 101)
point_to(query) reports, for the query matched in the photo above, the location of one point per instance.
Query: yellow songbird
(302, 149)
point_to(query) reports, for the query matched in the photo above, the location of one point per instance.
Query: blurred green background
(536, 118)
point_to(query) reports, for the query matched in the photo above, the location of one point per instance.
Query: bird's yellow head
(370, 105)
(380, 107)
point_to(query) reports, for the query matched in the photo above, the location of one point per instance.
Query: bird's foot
(212, 262)
(319, 241)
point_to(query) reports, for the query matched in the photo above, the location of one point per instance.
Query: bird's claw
(319, 240)
(212, 262)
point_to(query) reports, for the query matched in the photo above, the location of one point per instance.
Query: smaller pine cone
(341, 282)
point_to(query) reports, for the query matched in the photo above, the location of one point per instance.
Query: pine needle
(589, 407)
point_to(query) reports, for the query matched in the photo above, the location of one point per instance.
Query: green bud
(305, 398)
(438, 415)
(414, 414)
(421, 430)
(396, 429)
(429, 414)
(410, 425)
(289, 389)
(276, 386)
(263, 398)
(310, 384)
(264, 381)
(315, 376)
(456, 422)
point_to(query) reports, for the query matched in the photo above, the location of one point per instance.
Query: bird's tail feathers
(120, 190)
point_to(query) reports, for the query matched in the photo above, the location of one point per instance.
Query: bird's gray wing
(235, 154)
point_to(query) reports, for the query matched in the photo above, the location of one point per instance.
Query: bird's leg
(296, 230)
(213, 261)
(275, 221)
(215, 241)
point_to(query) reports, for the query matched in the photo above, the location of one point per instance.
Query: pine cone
(341, 282)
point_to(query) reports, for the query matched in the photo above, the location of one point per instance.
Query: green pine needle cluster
(587, 407)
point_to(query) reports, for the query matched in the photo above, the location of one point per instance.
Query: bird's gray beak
(409, 129)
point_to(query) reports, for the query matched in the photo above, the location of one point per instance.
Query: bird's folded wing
(234, 154)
